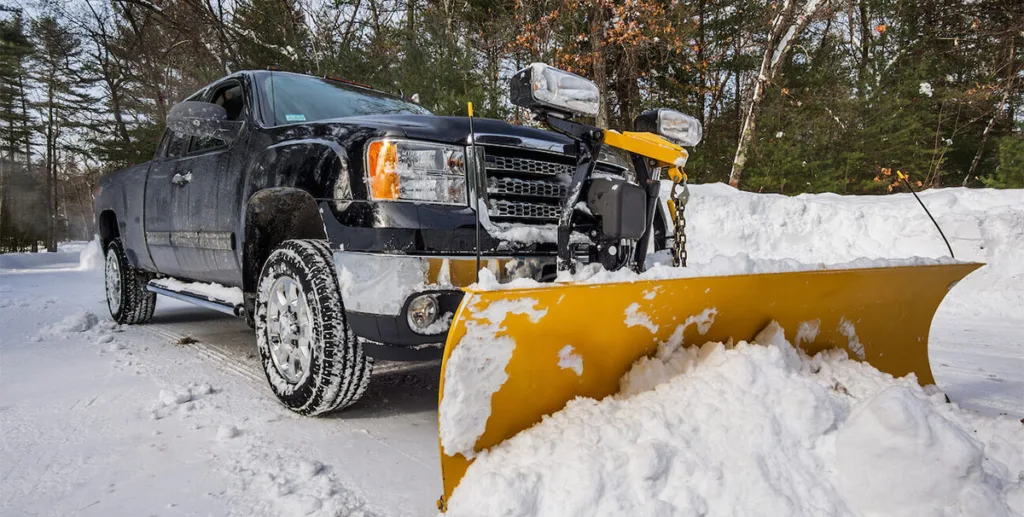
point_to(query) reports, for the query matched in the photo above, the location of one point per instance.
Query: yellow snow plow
(577, 340)
(514, 355)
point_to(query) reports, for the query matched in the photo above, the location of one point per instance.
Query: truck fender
(272, 216)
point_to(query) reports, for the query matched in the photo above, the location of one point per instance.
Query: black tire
(130, 303)
(338, 370)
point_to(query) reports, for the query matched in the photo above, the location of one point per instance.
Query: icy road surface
(99, 420)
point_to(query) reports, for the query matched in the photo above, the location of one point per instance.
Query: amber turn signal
(382, 161)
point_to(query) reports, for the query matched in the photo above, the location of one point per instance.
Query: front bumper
(377, 289)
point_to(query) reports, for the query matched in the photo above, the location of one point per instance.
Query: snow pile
(180, 401)
(76, 323)
(983, 225)
(87, 255)
(755, 429)
(730, 232)
(287, 486)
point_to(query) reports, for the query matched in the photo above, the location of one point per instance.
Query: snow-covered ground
(100, 420)
(97, 419)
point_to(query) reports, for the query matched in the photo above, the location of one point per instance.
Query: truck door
(215, 167)
(166, 203)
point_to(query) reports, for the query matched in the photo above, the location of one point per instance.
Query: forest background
(794, 95)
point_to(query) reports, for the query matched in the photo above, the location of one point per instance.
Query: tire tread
(344, 370)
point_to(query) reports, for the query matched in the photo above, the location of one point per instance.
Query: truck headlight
(540, 87)
(407, 170)
(677, 127)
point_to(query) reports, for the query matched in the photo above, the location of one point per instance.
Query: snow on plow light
(673, 125)
(543, 346)
(540, 87)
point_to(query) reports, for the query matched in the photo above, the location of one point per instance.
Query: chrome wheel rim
(113, 282)
(289, 329)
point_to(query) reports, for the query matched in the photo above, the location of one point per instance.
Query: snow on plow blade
(515, 355)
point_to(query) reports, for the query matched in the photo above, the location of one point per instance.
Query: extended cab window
(291, 98)
(230, 97)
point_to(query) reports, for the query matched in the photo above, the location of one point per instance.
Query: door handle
(181, 179)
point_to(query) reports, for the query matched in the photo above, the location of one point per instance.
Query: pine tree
(271, 33)
(57, 74)
(15, 123)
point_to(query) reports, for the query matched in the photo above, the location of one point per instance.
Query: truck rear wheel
(311, 358)
(128, 300)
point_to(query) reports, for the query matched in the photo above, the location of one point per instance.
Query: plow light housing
(543, 88)
(677, 127)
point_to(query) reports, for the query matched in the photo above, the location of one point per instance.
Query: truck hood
(455, 130)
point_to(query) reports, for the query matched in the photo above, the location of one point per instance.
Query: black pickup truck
(348, 218)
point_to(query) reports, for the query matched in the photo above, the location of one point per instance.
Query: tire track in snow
(227, 357)
(173, 333)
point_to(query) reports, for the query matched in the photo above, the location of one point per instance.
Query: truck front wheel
(311, 358)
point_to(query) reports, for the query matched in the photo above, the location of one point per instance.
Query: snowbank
(731, 232)
(983, 225)
(754, 430)
(42, 260)
(86, 255)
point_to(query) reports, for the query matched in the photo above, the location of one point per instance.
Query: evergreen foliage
(853, 89)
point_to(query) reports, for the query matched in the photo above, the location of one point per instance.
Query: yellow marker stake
(470, 105)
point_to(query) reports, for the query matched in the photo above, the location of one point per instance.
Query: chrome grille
(524, 210)
(528, 185)
(519, 187)
(517, 164)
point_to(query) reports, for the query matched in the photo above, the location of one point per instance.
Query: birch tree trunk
(786, 26)
(995, 116)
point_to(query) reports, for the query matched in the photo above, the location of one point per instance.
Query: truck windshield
(291, 98)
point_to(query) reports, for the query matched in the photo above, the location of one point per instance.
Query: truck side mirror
(202, 119)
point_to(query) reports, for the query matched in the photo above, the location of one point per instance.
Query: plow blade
(515, 355)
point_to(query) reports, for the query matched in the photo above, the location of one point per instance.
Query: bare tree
(789, 22)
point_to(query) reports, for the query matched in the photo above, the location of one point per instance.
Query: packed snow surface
(755, 429)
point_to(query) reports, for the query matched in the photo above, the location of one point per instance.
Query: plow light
(540, 87)
(677, 127)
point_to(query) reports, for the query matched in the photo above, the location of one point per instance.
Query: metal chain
(679, 239)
